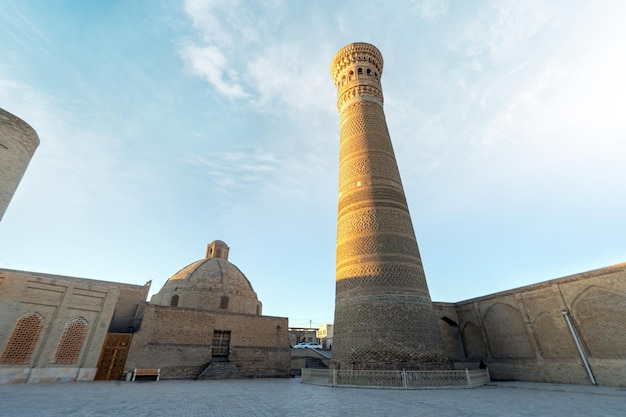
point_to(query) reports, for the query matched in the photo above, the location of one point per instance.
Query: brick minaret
(18, 142)
(384, 317)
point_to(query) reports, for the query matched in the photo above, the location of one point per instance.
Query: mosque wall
(52, 327)
(179, 341)
(449, 329)
(523, 334)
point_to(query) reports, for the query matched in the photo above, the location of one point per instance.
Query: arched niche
(599, 316)
(72, 341)
(507, 332)
(473, 341)
(23, 340)
(553, 335)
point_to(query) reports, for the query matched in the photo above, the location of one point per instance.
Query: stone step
(220, 370)
(314, 363)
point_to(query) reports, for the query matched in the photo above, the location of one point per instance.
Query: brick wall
(179, 342)
(73, 316)
(522, 334)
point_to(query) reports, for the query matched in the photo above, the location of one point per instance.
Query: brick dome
(212, 283)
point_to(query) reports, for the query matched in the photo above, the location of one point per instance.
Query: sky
(165, 125)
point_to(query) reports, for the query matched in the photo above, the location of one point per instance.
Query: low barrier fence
(396, 379)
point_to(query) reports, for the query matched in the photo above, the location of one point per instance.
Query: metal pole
(581, 351)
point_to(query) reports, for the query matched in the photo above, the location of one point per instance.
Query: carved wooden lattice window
(23, 340)
(72, 341)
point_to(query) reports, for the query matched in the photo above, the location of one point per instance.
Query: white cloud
(24, 32)
(516, 22)
(253, 55)
(431, 9)
(579, 88)
(232, 171)
(284, 74)
(75, 166)
(209, 63)
(498, 35)
(238, 51)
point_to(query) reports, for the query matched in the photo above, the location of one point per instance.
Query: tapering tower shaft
(384, 317)
(18, 141)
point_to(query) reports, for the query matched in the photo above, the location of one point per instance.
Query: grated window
(72, 341)
(23, 340)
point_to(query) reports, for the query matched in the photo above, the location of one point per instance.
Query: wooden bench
(147, 372)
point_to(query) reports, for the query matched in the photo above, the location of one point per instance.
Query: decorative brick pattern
(381, 277)
(371, 120)
(379, 165)
(352, 94)
(23, 340)
(377, 220)
(349, 58)
(383, 313)
(379, 196)
(359, 143)
(380, 244)
(72, 341)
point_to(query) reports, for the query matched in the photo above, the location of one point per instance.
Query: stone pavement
(289, 397)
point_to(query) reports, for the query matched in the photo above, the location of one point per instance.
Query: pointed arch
(24, 338)
(599, 315)
(553, 336)
(473, 341)
(72, 341)
(507, 332)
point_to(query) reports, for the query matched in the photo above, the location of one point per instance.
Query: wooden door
(221, 343)
(113, 356)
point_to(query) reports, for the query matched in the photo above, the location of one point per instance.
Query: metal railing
(396, 379)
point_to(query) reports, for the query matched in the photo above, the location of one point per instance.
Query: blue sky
(165, 125)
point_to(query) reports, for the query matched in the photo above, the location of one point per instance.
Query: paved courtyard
(289, 397)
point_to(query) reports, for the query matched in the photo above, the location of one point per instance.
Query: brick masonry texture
(18, 142)
(384, 317)
(179, 342)
(522, 334)
(52, 327)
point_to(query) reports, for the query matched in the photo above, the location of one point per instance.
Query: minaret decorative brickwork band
(384, 317)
